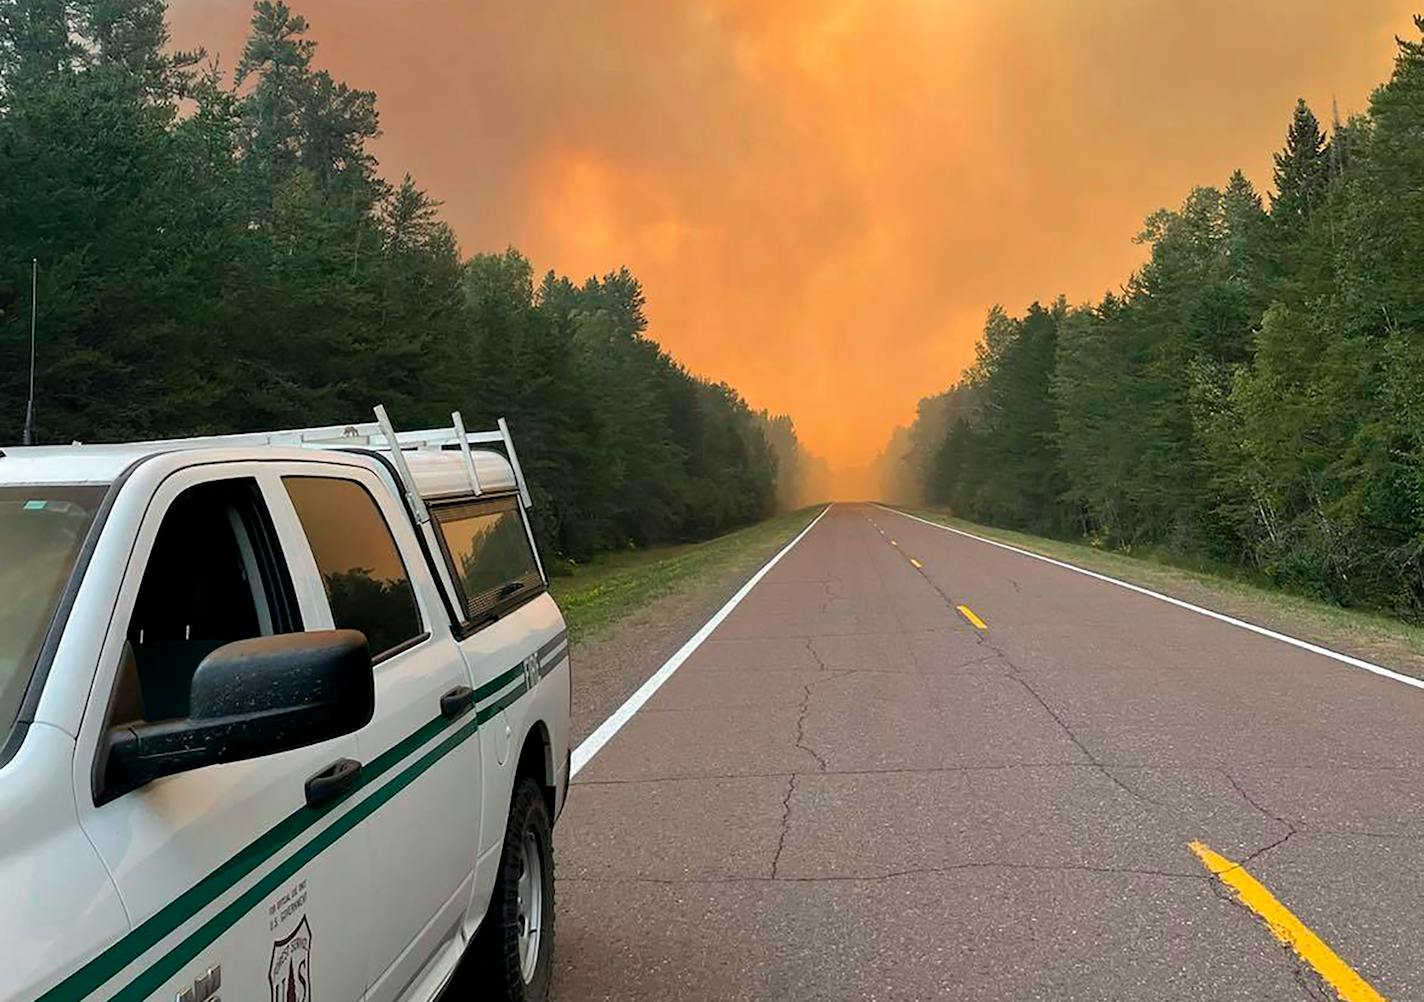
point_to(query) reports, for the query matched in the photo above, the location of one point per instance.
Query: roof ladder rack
(381, 435)
(464, 438)
(514, 463)
(412, 493)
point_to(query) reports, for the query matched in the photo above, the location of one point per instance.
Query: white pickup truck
(282, 717)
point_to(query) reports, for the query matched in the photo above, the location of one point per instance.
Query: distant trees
(623, 446)
(223, 257)
(1255, 394)
(802, 478)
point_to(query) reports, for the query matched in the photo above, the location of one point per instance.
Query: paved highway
(857, 789)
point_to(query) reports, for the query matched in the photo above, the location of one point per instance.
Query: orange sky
(823, 197)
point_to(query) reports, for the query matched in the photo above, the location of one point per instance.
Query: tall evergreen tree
(1302, 169)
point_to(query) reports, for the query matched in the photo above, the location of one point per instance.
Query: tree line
(1254, 394)
(224, 256)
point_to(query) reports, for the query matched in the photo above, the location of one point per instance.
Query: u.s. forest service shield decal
(290, 972)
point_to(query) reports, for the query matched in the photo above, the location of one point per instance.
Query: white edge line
(1305, 645)
(591, 745)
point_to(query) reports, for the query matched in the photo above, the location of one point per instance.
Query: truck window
(41, 531)
(489, 554)
(360, 566)
(214, 576)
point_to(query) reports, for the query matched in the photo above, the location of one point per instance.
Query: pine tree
(278, 56)
(36, 46)
(1301, 169)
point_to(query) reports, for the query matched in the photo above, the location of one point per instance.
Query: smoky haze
(823, 198)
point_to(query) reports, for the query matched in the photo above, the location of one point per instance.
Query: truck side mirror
(251, 698)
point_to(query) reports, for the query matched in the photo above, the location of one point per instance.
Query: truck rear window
(489, 554)
(41, 531)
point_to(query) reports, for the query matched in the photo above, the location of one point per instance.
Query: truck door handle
(457, 702)
(333, 781)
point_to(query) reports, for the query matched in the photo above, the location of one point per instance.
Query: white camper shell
(282, 716)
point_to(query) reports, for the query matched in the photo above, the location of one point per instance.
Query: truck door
(235, 887)
(364, 549)
(495, 574)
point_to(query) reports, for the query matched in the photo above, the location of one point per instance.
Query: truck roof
(436, 458)
(68, 464)
(437, 473)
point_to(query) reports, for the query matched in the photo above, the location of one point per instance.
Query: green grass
(1376, 637)
(600, 593)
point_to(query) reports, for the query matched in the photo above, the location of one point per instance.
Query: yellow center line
(974, 620)
(1291, 931)
(916, 562)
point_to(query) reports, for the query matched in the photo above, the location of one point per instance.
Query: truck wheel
(515, 944)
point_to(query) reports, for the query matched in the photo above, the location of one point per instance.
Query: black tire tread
(495, 949)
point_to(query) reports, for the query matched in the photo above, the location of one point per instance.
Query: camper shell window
(488, 552)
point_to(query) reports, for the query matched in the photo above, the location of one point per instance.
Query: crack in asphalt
(785, 825)
(1016, 674)
(801, 728)
(1261, 809)
(811, 649)
(1244, 795)
(1068, 732)
(1257, 854)
(802, 745)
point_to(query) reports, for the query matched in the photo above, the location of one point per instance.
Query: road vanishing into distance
(915, 765)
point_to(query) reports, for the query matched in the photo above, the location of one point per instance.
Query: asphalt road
(851, 792)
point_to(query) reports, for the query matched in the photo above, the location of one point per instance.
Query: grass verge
(600, 593)
(1375, 637)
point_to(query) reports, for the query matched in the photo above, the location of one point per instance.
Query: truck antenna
(29, 435)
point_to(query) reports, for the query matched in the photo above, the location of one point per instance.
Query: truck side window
(361, 568)
(489, 554)
(214, 576)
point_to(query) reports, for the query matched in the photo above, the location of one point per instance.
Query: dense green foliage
(1254, 395)
(219, 257)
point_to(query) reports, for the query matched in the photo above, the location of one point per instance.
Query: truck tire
(514, 947)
